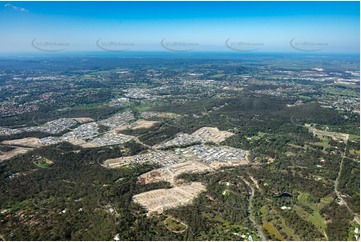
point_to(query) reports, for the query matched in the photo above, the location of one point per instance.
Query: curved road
(251, 218)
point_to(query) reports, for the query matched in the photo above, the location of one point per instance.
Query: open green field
(323, 143)
(174, 225)
(315, 218)
(342, 92)
(354, 152)
(272, 230)
(354, 137)
(322, 134)
(42, 165)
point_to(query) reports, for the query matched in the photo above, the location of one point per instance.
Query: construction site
(193, 159)
(157, 201)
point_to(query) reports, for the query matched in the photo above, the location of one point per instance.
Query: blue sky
(324, 27)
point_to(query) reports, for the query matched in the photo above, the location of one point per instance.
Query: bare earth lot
(169, 173)
(139, 124)
(211, 134)
(196, 158)
(13, 153)
(26, 145)
(161, 199)
(27, 142)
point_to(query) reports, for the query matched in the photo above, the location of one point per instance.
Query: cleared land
(84, 120)
(202, 135)
(197, 158)
(156, 201)
(118, 162)
(150, 114)
(13, 153)
(27, 142)
(333, 135)
(169, 173)
(139, 124)
(210, 134)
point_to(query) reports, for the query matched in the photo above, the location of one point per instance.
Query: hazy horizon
(262, 27)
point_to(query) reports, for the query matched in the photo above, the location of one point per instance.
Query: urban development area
(159, 148)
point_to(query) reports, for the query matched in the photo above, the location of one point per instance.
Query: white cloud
(8, 5)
